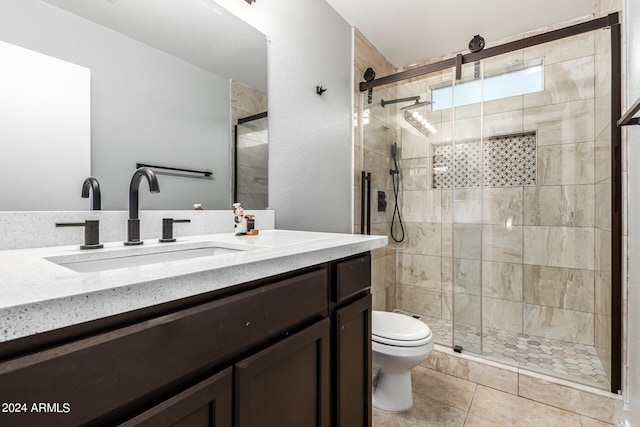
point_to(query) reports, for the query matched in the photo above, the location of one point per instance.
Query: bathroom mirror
(167, 80)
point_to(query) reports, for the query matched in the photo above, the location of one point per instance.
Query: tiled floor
(574, 362)
(444, 400)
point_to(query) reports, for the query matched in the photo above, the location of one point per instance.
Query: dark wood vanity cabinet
(288, 351)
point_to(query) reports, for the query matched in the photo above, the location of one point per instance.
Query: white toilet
(399, 343)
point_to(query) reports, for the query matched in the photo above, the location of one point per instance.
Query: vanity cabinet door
(352, 387)
(286, 384)
(206, 404)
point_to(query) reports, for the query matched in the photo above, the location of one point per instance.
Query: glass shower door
(466, 115)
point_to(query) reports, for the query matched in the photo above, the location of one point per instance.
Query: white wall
(146, 106)
(632, 390)
(310, 136)
(45, 109)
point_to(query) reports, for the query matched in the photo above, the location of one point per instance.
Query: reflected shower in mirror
(160, 91)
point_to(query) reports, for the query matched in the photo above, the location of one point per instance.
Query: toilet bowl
(399, 344)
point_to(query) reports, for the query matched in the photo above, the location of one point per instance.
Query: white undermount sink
(134, 257)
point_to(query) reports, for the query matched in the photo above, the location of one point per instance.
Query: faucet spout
(133, 226)
(92, 183)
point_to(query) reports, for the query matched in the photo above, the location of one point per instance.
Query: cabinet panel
(109, 376)
(353, 276)
(287, 384)
(352, 388)
(207, 404)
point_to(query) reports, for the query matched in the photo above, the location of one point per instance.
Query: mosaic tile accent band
(503, 161)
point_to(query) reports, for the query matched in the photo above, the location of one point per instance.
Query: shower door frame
(611, 21)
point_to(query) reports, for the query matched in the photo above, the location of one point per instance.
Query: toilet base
(393, 391)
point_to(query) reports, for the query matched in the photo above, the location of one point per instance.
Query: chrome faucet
(92, 183)
(133, 225)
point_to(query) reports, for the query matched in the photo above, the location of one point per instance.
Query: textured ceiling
(410, 31)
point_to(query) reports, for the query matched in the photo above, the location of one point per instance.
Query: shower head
(416, 105)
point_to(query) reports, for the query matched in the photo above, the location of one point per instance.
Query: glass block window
(502, 161)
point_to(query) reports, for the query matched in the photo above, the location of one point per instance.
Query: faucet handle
(91, 232)
(167, 229)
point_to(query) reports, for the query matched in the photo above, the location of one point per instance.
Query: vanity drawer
(353, 276)
(106, 377)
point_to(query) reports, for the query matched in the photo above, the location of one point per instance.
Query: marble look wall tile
(556, 323)
(466, 205)
(447, 205)
(562, 50)
(503, 123)
(563, 82)
(502, 243)
(563, 123)
(561, 205)
(559, 287)
(511, 410)
(538, 388)
(503, 205)
(567, 164)
(423, 238)
(247, 100)
(447, 301)
(467, 276)
(419, 270)
(602, 116)
(502, 314)
(447, 270)
(466, 309)
(416, 173)
(418, 300)
(466, 129)
(503, 105)
(383, 273)
(602, 154)
(366, 55)
(603, 204)
(447, 241)
(468, 111)
(466, 240)
(450, 390)
(502, 63)
(421, 206)
(502, 280)
(603, 254)
(375, 110)
(475, 369)
(602, 298)
(375, 134)
(414, 144)
(570, 247)
(378, 301)
(252, 180)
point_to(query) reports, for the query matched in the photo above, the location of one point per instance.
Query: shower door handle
(365, 203)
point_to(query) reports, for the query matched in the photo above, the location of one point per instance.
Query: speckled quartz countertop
(37, 294)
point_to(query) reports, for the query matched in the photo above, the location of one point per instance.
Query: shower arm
(395, 101)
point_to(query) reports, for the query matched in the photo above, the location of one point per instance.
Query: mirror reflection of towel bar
(204, 173)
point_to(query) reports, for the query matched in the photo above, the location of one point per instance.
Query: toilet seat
(399, 330)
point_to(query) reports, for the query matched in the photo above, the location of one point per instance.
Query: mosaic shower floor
(561, 359)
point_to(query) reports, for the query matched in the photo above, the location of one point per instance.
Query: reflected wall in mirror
(251, 153)
(161, 73)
